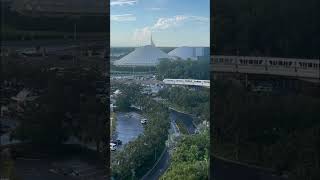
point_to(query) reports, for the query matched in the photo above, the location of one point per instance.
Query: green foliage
(123, 103)
(140, 154)
(7, 169)
(183, 69)
(196, 102)
(132, 69)
(41, 126)
(182, 127)
(190, 158)
(68, 107)
(130, 94)
(274, 131)
(188, 171)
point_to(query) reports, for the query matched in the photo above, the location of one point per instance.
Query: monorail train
(304, 68)
(188, 82)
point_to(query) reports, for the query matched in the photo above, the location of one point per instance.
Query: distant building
(148, 55)
(193, 53)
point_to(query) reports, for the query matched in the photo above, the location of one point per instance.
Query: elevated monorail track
(304, 69)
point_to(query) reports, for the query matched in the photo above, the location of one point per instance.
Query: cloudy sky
(171, 22)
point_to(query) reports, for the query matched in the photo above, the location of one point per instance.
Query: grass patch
(182, 127)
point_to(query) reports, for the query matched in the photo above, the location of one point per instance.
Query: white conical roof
(184, 53)
(143, 56)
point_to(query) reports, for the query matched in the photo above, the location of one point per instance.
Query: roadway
(223, 169)
(164, 162)
(161, 166)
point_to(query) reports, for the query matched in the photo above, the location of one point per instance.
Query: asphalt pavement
(163, 163)
(128, 126)
(160, 167)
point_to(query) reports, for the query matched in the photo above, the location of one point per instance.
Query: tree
(272, 131)
(7, 169)
(183, 69)
(123, 103)
(139, 155)
(190, 158)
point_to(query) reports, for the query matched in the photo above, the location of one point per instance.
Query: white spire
(152, 44)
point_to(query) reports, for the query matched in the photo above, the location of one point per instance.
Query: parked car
(118, 142)
(143, 121)
(113, 146)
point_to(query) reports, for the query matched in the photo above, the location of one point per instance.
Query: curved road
(163, 163)
(224, 169)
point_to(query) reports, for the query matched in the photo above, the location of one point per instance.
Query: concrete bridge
(302, 69)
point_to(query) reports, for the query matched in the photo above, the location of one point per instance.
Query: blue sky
(171, 22)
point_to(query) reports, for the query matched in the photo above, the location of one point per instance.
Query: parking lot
(129, 126)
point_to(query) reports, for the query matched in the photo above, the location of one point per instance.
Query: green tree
(190, 158)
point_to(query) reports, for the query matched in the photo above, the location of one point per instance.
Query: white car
(113, 146)
(143, 121)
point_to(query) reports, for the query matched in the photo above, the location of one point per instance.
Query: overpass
(188, 82)
(302, 69)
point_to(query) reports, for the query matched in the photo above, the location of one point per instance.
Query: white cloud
(123, 2)
(143, 34)
(165, 23)
(123, 17)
